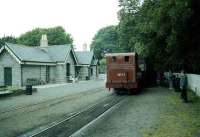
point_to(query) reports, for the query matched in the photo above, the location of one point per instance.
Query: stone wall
(72, 62)
(1, 75)
(43, 73)
(38, 72)
(16, 76)
(6, 60)
(83, 72)
(52, 74)
(30, 72)
(60, 73)
(94, 75)
(62, 69)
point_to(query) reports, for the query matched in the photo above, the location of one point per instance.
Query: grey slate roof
(84, 57)
(58, 53)
(50, 54)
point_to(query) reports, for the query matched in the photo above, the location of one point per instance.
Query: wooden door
(68, 70)
(8, 76)
(47, 74)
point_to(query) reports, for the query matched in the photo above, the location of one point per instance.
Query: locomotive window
(114, 59)
(126, 58)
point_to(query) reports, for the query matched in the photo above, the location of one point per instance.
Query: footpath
(48, 92)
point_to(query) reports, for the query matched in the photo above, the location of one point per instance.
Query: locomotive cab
(122, 71)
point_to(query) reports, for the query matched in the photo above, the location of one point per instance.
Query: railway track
(41, 105)
(74, 122)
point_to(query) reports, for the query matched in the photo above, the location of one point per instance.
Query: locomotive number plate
(121, 74)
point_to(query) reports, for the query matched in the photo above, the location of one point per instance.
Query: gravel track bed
(68, 127)
(22, 122)
(35, 107)
(156, 112)
(136, 114)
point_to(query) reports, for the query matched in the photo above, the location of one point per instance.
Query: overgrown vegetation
(177, 119)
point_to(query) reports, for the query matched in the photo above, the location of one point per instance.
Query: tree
(163, 31)
(105, 40)
(191, 39)
(127, 24)
(56, 36)
(102, 66)
(10, 39)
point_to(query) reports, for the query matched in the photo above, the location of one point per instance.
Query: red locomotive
(123, 72)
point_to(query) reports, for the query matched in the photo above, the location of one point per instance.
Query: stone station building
(21, 65)
(87, 67)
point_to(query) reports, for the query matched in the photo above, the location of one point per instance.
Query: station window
(126, 58)
(114, 59)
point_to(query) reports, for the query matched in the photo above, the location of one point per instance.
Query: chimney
(43, 41)
(85, 47)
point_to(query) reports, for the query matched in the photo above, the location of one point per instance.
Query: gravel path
(131, 118)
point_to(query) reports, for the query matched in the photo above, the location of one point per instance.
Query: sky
(81, 18)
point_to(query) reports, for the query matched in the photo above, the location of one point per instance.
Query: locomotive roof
(121, 54)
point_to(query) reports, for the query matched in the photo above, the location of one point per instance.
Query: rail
(71, 124)
(29, 108)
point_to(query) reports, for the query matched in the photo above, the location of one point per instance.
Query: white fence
(194, 83)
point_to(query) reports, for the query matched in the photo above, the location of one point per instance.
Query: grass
(11, 88)
(2, 88)
(177, 119)
(14, 89)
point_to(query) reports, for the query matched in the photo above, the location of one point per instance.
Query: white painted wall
(194, 83)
